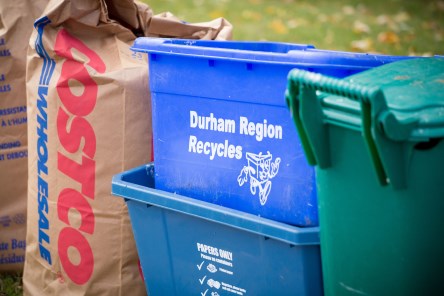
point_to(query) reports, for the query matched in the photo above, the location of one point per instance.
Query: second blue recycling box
(191, 247)
(222, 131)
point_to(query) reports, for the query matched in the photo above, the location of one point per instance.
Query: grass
(401, 27)
(11, 285)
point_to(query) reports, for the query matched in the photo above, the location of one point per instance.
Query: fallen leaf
(282, 13)
(322, 18)
(399, 22)
(251, 15)
(216, 14)
(292, 24)
(311, 8)
(409, 37)
(364, 45)
(278, 27)
(440, 5)
(427, 54)
(329, 37)
(361, 8)
(402, 17)
(360, 27)
(404, 27)
(270, 9)
(412, 51)
(430, 25)
(336, 17)
(388, 38)
(348, 10)
(382, 19)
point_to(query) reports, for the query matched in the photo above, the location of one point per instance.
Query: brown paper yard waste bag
(16, 24)
(89, 115)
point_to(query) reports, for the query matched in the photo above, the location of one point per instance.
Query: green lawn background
(401, 27)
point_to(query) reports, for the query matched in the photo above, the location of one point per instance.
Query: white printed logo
(211, 268)
(213, 284)
(260, 170)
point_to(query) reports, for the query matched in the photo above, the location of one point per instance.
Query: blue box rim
(198, 49)
(287, 233)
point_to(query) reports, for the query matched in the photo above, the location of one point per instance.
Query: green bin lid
(414, 91)
(397, 107)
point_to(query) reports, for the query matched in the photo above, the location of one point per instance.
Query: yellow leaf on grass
(348, 10)
(402, 17)
(251, 15)
(216, 14)
(276, 11)
(388, 38)
(329, 37)
(401, 22)
(360, 27)
(364, 45)
(295, 23)
(322, 18)
(278, 27)
(382, 19)
(270, 9)
(427, 54)
(412, 52)
(336, 18)
(292, 24)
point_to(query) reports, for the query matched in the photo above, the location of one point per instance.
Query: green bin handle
(388, 155)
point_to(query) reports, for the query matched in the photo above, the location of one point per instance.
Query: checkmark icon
(202, 280)
(204, 293)
(200, 265)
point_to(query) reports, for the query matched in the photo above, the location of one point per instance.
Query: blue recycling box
(191, 247)
(222, 131)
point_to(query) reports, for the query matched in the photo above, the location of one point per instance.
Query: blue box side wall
(172, 264)
(150, 233)
(180, 169)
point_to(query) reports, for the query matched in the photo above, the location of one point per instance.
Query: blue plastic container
(222, 131)
(191, 247)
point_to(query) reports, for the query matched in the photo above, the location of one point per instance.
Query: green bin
(376, 141)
